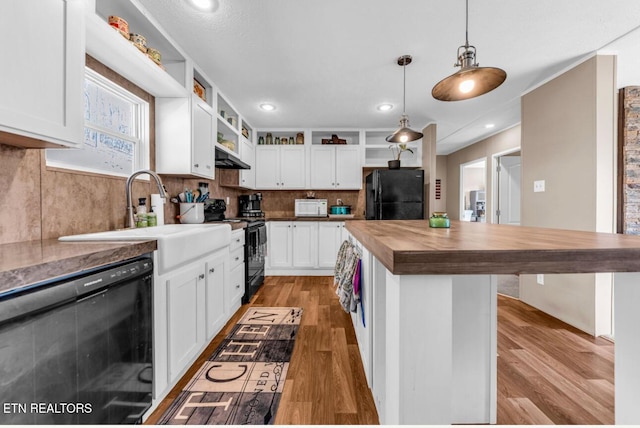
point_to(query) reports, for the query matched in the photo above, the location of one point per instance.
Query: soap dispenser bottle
(141, 213)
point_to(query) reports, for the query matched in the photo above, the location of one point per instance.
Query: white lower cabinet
(305, 244)
(234, 287)
(303, 247)
(185, 316)
(191, 304)
(329, 240)
(216, 275)
(279, 241)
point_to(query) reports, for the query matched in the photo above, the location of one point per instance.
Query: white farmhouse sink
(177, 243)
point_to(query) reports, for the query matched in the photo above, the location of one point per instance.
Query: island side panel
(419, 339)
(627, 355)
(474, 393)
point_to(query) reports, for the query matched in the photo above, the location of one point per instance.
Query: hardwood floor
(325, 383)
(548, 372)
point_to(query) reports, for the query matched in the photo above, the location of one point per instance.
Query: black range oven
(255, 247)
(255, 250)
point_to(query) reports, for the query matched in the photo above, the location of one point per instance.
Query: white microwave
(311, 208)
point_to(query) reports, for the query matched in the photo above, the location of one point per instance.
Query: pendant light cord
(466, 30)
(404, 86)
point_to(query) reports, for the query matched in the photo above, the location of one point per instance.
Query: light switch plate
(540, 278)
(538, 186)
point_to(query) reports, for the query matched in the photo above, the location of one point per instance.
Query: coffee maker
(249, 205)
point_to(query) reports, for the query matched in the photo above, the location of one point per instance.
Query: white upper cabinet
(248, 156)
(336, 167)
(184, 137)
(336, 160)
(42, 73)
(280, 167)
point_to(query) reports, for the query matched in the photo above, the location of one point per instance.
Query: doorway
(507, 181)
(506, 203)
(473, 190)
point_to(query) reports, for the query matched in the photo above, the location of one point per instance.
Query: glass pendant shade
(404, 134)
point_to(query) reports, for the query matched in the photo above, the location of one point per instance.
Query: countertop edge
(51, 259)
(616, 255)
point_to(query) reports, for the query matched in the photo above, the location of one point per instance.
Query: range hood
(226, 160)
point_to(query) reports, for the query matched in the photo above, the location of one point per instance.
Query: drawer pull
(201, 276)
(212, 270)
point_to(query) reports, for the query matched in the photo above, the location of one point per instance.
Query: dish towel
(346, 264)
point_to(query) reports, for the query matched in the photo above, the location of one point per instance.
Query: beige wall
(568, 141)
(499, 143)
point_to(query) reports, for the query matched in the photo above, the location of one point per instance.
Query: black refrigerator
(395, 194)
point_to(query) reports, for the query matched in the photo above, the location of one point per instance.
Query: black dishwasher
(78, 350)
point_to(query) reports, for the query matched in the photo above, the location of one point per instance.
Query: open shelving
(377, 152)
(105, 44)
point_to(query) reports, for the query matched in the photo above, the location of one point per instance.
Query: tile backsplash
(40, 202)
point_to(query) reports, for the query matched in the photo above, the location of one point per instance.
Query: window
(116, 131)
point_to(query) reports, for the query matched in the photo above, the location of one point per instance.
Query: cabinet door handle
(337, 184)
(212, 270)
(333, 184)
(201, 276)
(295, 225)
(208, 166)
(197, 165)
(238, 240)
(237, 258)
(237, 285)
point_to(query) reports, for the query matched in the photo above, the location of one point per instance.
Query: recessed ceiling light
(489, 125)
(267, 107)
(205, 5)
(385, 107)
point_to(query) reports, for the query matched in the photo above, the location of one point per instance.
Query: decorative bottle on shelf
(284, 140)
(277, 140)
(300, 138)
(260, 140)
(269, 138)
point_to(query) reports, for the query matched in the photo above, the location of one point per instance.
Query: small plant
(397, 150)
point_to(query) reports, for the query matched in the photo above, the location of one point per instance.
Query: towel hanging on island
(346, 265)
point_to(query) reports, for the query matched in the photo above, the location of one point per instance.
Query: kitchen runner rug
(242, 381)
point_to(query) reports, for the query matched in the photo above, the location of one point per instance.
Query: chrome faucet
(129, 184)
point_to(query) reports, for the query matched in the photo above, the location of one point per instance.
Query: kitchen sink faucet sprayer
(129, 184)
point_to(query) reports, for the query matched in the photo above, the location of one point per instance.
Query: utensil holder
(191, 212)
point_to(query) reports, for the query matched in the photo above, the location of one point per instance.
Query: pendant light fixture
(471, 80)
(404, 134)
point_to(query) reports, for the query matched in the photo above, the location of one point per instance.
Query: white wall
(568, 140)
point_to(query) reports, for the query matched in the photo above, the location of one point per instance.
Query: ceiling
(329, 63)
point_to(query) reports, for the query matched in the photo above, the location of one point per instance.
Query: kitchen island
(434, 318)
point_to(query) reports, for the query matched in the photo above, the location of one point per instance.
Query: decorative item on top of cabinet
(299, 138)
(199, 90)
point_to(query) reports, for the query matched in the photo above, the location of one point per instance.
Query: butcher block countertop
(24, 263)
(411, 247)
